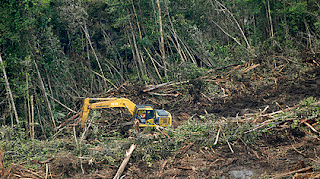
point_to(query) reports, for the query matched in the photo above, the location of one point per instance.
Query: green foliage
(153, 149)
(308, 109)
(307, 101)
(17, 146)
(315, 166)
(231, 131)
(186, 71)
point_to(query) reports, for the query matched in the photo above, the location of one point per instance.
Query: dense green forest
(55, 52)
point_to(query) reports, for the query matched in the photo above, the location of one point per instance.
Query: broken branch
(153, 87)
(292, 172)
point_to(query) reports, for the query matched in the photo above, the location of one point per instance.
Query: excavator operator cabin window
(150, 114)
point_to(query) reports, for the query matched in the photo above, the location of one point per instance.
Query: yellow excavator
(146, 114)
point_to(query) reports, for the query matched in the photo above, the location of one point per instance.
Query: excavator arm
(104, 103)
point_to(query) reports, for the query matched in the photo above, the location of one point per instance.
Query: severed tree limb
(105, 79)
(292, 172)
(62, 104)
(217, 137)
(162, 168)
(224, 135)
(71, 118)
(136, 125)
(153, 87)
(60, 129)
(9, 90)
(207, 97)
(312, 128)
(47, 171)
(251, 67)
(124, 162)
(184, 150)
(158, 94)
(84, 133)
(46, 161)
(230, 146)
(158, 128)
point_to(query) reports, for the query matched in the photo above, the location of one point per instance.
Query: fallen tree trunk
(124, 162)
(153, 87)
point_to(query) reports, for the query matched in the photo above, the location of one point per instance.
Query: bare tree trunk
(235, 20)
(9, 90)
(85, 30)
(152, 60)
(45, 96)
(285, 25)
(28, 105)
(187, 49)
(36, 106)
(176, 43)
(32, 120)
(309, 36)
(138, 24)
(270, 19)
(226, 33)
(133, 54)
(163, 53)
(141, 64)
(119, 62)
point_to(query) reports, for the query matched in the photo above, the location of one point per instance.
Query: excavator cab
(148, 116)
(145, 114)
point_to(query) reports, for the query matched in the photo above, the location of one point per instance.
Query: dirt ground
(263, 160)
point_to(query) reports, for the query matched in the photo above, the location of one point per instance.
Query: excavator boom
(104, 103)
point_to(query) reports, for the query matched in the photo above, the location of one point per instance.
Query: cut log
(124, 162)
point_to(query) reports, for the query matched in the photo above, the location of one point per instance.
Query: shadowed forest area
(241, 79)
